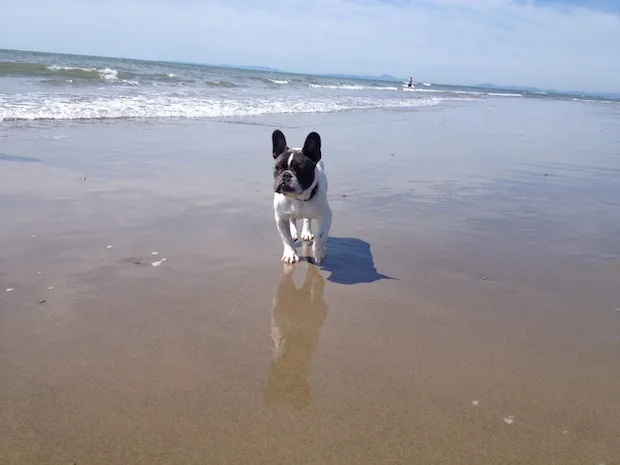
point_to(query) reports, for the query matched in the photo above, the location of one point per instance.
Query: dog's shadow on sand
(350, 261)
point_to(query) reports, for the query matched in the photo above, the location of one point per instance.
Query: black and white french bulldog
(300, 186)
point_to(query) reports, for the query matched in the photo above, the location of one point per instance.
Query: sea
(45, 86)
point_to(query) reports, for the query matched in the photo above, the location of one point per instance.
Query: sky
(557, 44)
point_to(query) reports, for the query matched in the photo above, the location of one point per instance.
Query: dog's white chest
(294, 208)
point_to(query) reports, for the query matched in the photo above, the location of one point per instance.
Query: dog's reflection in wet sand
(296, 322)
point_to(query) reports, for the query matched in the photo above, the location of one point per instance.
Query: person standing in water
(410, 83)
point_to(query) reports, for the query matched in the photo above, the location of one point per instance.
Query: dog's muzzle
(286, 183)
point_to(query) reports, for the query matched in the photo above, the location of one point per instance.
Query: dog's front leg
(294, 233)
(319, 249)
(284, 228)
(306, 232)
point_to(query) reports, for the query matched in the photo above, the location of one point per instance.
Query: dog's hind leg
(319, 246)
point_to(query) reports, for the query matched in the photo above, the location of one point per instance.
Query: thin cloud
(454, 41)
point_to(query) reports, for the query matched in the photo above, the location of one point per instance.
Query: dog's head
(294, 168)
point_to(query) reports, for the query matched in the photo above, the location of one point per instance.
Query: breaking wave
(37, 69)
(163, 107)
(351, 87)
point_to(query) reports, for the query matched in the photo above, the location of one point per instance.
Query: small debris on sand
(509, 420)
(34, 235)
(159, 262)
(154, 253)
(42, 302)
(109, 247)
(475, 403)
(10, 289)
(51, 288)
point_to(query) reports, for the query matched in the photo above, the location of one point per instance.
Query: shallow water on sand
(467, 313)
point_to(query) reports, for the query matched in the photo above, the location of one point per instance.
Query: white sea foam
(57, 107)
(69, 68)
(467, 92)
(43, 136)
(106, 73)
(444, 91)
(278, 81)
(414, 89)
(337, 86)
(499, 94)
(351, 87)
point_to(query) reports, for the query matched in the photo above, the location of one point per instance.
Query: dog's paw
(307, 236)
(290, 256)
(319, 253)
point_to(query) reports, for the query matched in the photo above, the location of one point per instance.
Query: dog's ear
(278, 142)
(312, 147)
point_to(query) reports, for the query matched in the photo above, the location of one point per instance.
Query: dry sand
(468, 312)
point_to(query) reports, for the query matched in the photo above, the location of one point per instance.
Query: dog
(300, 193)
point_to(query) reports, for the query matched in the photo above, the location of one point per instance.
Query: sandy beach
(468, 311)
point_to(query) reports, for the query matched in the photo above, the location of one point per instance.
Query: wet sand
(468, 312)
